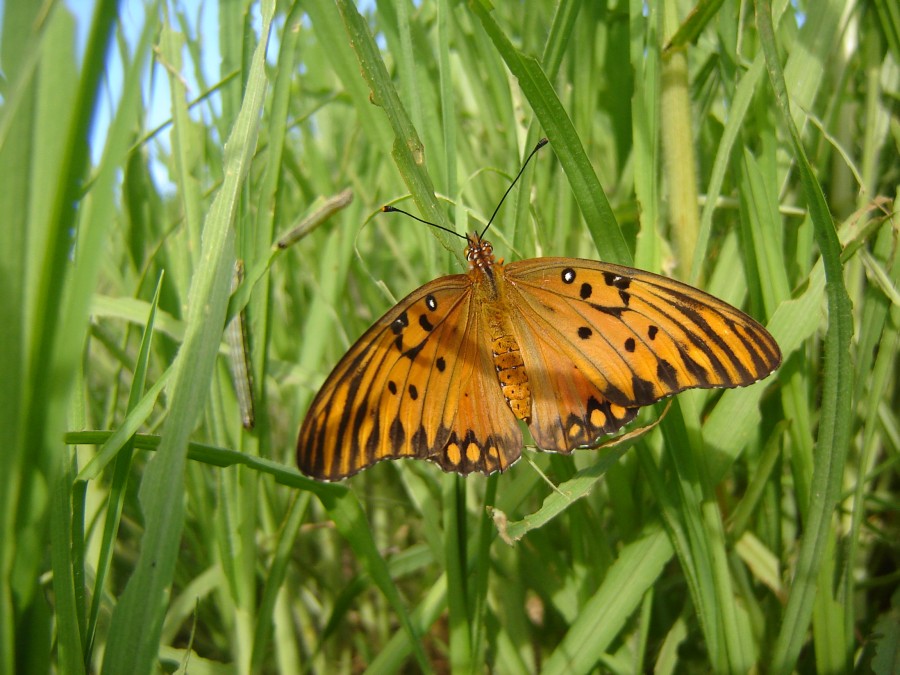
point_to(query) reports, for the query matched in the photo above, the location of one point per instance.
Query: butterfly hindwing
(568, 410)
(484, 434)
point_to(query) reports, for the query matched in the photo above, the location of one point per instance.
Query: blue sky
(156, 87)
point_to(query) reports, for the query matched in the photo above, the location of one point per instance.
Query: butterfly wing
(568, 409)
(606, 339)
(414, 385)
(484, 435)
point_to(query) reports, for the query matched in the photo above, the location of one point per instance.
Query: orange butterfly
(572, 347)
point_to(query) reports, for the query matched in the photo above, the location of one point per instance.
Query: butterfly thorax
(482, 267)
(487, 274)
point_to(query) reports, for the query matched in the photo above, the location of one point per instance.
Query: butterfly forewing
(416, 384)
(373, 404)
(638, 336)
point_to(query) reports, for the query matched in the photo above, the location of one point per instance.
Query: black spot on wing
(374, 440)
(699, 373)
(616, 395)
(575, 432)
(600, 418)
(455, 455)
(419, 442)
(613, 279)
(425, 323)
(397, 434)
(612, 311)
(398, 324)
(413, 352)
(644, 391)
(667, 374)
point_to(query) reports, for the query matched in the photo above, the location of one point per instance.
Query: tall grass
(145, 528)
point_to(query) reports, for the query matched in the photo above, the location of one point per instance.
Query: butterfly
(571, 347)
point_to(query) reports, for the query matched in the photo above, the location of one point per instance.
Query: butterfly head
(479, 252)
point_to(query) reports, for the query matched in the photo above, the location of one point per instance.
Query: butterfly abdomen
(512, 375)
(489, 283)
(508, 362)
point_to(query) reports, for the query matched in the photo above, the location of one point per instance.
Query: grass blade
(137, 620)
(834, 427)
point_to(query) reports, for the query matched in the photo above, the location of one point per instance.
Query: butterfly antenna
(393, 209)
(540, 144)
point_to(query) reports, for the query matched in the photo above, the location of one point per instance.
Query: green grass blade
(408, 151)
(462, 659)
(559, 500)
(638, 566)
(119, 483)
(349, 518)
(54, 312)
(265, 620)
(834, 427)
(678, 148)
(17, 134)
(137, 620)
(565, 142)
(70, 639)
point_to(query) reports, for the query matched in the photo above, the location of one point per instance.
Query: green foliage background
(751, 150)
